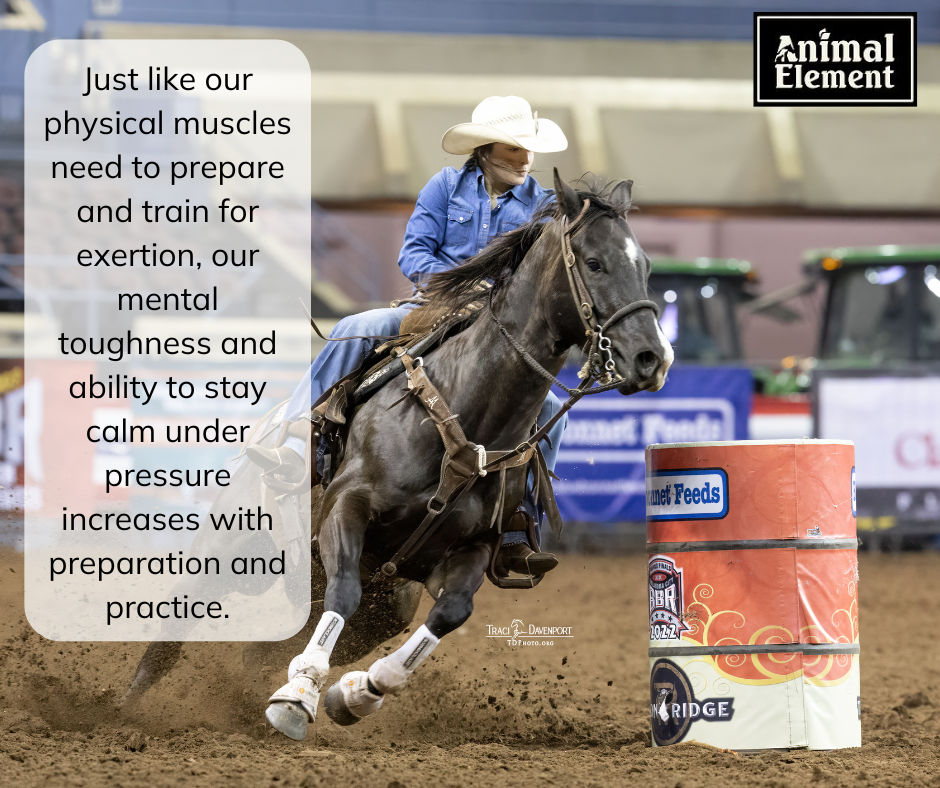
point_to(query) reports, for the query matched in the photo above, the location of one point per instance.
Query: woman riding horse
(458, 212)
(574, 274)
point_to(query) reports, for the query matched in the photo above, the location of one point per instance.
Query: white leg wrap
(302, 690)
(389, 674)
(308, 671)
(359, 700)
(314, 662)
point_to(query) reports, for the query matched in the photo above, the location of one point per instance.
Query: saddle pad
(390, 367)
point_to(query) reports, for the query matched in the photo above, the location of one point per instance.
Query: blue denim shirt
(452, 220)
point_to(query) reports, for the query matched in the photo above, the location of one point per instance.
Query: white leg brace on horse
(359, 694)
(309, 670)
(389, 674)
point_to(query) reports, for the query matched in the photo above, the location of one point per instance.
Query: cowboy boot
(283, 461)
(520, 557)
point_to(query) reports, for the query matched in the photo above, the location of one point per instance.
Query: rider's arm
(421, 255)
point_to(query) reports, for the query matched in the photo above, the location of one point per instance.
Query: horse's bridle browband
(596, 343)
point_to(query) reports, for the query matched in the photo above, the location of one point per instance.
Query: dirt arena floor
(480, 712)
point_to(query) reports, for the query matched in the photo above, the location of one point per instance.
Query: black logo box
(770, 28)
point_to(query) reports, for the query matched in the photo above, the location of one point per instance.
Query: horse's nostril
(646, 364)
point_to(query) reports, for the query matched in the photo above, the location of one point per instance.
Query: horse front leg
(294, 705)
(452, 583)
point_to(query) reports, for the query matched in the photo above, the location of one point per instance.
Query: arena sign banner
(895, 425)
(843, 59)
(601, 462)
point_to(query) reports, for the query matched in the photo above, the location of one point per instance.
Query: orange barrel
(753, 577)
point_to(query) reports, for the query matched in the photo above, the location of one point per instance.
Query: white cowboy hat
(506, 119)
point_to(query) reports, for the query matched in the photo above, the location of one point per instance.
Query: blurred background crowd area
(787, 242)
(657, 92)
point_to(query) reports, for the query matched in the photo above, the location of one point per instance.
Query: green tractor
(882, 305)
(881, 310)
(698, 302)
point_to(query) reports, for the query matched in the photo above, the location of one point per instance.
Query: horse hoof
(350, 699)
(289, 718)
(336, 708)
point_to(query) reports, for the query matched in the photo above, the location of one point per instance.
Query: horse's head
(608, 275)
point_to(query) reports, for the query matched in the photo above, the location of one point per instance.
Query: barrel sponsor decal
(667, 604)
(687, 494)
(673, 706)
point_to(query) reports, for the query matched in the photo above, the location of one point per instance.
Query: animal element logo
(667, 606)
(673, 707)
(517, 628)
(786, 53)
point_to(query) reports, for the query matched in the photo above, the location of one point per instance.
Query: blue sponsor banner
(602, 462)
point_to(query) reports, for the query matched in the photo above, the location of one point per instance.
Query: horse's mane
(460, 286)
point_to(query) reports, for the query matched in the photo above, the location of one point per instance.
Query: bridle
(597, 343)
(596, 368)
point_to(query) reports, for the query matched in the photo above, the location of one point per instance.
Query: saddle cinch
(323, 430)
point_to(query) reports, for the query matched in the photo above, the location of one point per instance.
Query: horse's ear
(622, 195)
(567, 198)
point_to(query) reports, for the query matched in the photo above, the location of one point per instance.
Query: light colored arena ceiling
(677, 117)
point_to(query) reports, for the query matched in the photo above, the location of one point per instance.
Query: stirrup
(530, 578)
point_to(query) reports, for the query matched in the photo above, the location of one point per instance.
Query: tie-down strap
(464, 462)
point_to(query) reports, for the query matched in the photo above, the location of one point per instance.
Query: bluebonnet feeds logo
(688, 494)
(842, 59)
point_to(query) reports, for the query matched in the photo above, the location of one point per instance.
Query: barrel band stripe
(753, 544)
(774, 648)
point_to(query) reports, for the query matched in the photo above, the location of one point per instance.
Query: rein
(596, 339)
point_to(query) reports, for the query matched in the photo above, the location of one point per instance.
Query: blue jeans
(338, 359)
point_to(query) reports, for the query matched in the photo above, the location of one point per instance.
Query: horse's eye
(593, 264)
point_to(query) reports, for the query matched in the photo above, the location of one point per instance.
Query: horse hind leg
(361, 693)
(384, 612)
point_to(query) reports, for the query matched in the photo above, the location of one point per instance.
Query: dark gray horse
(393, 453)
